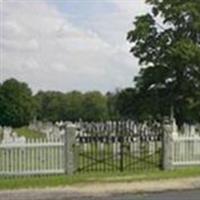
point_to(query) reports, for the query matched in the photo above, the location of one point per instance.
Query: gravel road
(175, 195)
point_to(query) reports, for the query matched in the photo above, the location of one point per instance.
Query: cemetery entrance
(118, 146)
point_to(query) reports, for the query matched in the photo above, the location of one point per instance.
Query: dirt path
(100, 191)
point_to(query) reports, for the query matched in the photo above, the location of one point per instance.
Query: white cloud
(131, 7)
(42, 47)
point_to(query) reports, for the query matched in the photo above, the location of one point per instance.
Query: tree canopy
(167, 43)
(17, 106)
(71, 106)
(94, 107)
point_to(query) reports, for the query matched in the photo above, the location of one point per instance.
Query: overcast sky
(68, 44)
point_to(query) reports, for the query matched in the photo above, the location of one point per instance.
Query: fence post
(167, 147)
(69, 149)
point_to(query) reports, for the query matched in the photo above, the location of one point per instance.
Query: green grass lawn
(53, 181)
(27, 133)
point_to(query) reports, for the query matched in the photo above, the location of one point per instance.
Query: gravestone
(10, 136)
(116, 149)
(7, 134)
(135, 147)
(33, 126)
(55, 132)
(152, 146)
(192, 130)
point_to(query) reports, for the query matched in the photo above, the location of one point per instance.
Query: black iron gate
(119, 146)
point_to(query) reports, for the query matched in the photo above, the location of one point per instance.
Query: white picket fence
(38, 156)
(42, 156)
(186, 151)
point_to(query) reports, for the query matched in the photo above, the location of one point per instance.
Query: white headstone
(7, 133)
(174, 128)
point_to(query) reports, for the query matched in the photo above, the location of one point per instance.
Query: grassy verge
(24, 131)
(53, 181)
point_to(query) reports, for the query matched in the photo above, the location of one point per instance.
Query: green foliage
(94, 107)
(113, 111)
(126, 103)
(74, 110)
(17, 106)
(51, 106)
(72, 106)
(167, 42)
(137, 105)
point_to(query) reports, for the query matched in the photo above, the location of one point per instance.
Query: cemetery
(99, 93)
(82, 147)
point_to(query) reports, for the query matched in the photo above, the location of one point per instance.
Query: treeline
(18, 106)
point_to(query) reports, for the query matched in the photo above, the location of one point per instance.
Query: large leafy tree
(74, 101)
(73, 106)
(112, 105)
(51, 106)
(94, 106)
(167, 42)
(17, 106)
(137, 105)
(126, 103)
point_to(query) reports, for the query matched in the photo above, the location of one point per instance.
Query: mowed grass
(27, 133)
(91, 178)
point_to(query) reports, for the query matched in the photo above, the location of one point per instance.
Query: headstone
(174, 129)
(192, 130)
(7, 134)
(116, 150)
(20, 140)
(86, 145)
(152, 147)
(135, 147)
(33, 126)
(56, 132)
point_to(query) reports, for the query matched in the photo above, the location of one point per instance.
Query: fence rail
(101, 147)
(32, 157)
(186, 150)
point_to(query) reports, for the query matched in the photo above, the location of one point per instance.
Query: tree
(94, 106)
(132, 104)
(74, 101)
(126, 103)
(17, 106)
(73, 106)
(113, 112)
(51, 106)
(167, 42)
